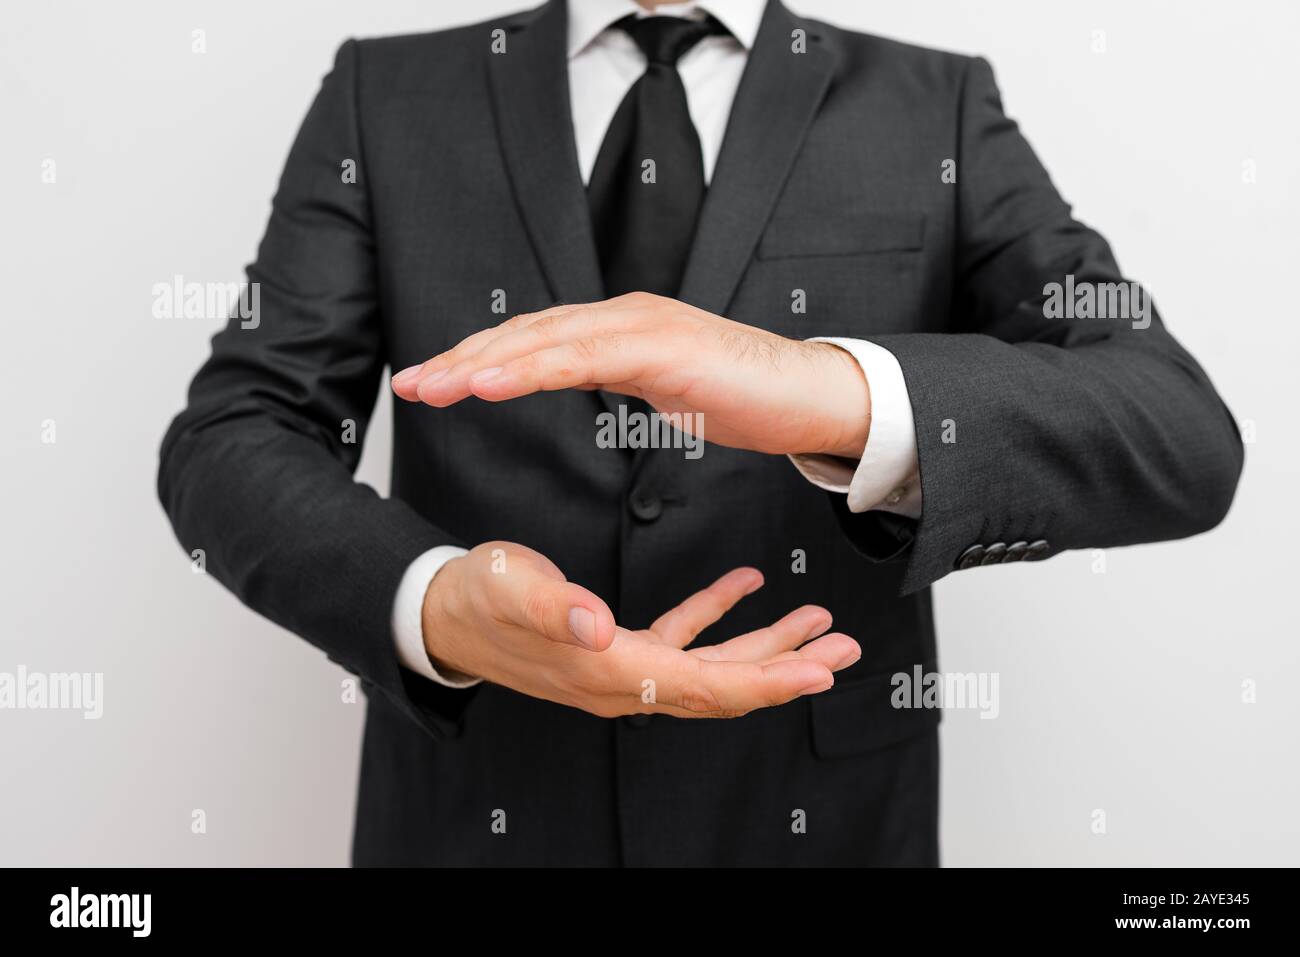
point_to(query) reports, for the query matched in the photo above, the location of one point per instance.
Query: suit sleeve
(1081, 432)
(257, 470)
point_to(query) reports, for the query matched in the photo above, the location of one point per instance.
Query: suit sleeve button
(994, 553)
(1036, 550)
(971, 557)
(1015, 552)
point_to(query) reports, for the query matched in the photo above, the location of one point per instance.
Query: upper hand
(755, 390)
(505, 613)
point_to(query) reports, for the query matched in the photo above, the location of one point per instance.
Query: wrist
(438, 619)
(848, 401)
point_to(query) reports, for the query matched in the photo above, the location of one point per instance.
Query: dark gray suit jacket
(1069, 433)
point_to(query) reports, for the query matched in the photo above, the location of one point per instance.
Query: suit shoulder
(419, 45)
(908, 62)
(416, 58)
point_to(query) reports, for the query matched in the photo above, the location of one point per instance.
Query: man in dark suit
(798, 241)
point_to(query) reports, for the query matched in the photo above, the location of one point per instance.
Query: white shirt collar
(589, 18)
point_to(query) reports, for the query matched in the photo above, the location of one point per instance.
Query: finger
(623, 304)
(556, 609)
(836, 651)
(802, 624)
(702, 688)
(594, 332)
(407, 382)
(475, 344)
(599, 360)
(679, 626)
(410, 381)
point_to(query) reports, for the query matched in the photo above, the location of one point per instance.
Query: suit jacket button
(1036, 550)
(636, 720)
(994, 554)
(645, 505)
(971, 557)
(1015, 552)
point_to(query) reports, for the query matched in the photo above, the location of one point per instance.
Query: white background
(1120, 690)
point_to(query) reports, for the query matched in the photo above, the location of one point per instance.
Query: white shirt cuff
(888, 476)
(408, 617)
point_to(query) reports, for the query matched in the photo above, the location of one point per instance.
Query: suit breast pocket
(846, 274)
(803, 235)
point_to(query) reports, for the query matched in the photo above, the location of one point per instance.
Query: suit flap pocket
(806, 234)
(860, 716)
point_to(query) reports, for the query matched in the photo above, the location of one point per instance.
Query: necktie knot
(665, 40)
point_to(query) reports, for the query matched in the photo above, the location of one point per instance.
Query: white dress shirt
(603, 65)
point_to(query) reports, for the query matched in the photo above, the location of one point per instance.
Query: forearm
(878, 469)
(279, 519)
(1110, 442)
(284, 526)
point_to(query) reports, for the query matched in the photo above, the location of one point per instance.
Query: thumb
(566, 613)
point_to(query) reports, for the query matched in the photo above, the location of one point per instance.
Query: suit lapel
(778, 97)
(774, 106)
(530, 99)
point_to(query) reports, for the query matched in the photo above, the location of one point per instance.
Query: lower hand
(505, 613)
(755, 390)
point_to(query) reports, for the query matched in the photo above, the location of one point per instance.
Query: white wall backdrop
(1121, 689)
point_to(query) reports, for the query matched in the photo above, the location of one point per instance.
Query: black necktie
(644, 215)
